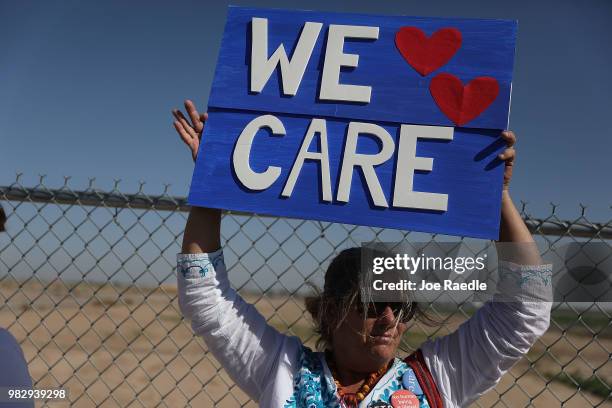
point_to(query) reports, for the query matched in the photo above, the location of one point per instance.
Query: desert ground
(118, 346)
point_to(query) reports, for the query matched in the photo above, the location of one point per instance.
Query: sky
(86, 89)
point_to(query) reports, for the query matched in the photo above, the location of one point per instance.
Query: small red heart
(424, 54)
(461, 103)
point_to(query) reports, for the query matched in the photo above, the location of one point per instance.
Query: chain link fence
(87, 286)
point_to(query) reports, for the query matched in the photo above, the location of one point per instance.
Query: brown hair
(342, 292)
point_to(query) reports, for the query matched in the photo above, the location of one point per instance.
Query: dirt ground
(115, 346)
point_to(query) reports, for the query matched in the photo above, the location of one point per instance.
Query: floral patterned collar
(314, 387)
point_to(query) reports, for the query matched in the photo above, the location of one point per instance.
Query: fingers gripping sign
(508, 156)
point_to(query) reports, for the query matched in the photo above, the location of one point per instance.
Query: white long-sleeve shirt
(264, 362)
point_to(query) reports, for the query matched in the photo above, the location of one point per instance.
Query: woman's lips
(384, 338)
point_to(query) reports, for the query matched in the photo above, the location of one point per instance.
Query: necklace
(353, 399)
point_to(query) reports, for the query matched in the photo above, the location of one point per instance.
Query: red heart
(461, 103)
(424, 54)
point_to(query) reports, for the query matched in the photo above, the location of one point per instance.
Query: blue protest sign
(371, 120)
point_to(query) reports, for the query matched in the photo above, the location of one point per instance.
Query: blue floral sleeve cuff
(200, 266)
(525, 282)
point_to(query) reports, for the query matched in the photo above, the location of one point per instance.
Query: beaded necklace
(353, 399)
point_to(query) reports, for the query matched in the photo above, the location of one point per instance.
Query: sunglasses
(376, 310)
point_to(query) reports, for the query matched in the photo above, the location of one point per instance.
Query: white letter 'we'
(292, 70)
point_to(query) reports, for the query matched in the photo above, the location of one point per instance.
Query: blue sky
(87, 88)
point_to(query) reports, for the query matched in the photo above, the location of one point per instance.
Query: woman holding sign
(357, 365)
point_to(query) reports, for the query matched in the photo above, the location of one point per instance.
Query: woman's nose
(387, 315)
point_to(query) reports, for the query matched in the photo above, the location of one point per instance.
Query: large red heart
(424, 54)
(461, 103)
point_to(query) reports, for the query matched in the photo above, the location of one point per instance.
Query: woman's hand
(508, 156)
(190, 131)
(512, 228)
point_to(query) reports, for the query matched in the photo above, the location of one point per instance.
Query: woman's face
(371, 342)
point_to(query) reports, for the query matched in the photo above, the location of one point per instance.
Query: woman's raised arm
(203, 229)
(470, 361)
(240, 338)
